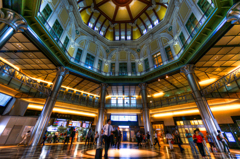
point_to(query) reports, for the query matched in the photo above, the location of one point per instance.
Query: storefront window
(133, 101)
(120, 101)
(113, 101)
(190, 125)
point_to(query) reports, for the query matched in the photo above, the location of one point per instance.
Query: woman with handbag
(198, 140)
(170, 140)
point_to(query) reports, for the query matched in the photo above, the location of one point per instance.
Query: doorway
(125, 136)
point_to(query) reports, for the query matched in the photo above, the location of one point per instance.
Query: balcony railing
(58, 41)
(175, 100)
(19, 81)
(123, 105)
(222, 82)
(77, 99)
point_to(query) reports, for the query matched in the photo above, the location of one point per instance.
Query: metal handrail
(230, 77)
(123, 105)
(57, 39)
(173, 100)
(19, 76)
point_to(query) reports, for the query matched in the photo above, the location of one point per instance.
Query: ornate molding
(187, 69)
(13, 19)
(143, 86)
(233, 14)
(104, 86)
(62, 71)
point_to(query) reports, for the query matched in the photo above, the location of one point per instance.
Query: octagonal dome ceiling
(122, 19)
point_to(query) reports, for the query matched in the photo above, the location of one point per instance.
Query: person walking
(224, 141)
(198, 140)
(204, 142)
(72, 135)
(44, 139)
(178, 141)
(210, 141)
(55, 139)
(88, 137)
(169, 138)
(102, 137)
(118, 137)
(148, 139)
(67, 135)
(191, 143)
(25, 138)
(108, 129)
(96, 137)
(156, 140)
(139, 138)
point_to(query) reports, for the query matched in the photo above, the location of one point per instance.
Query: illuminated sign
(123, 118)
(230, 137)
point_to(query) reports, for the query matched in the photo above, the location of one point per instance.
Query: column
(101, 111)
(129, 69)
(117, 64)
(150, 57)
(43, 119)
(95, 65)
(146, 117)
(208, 119)
(162, 51)
(10, 22)
(84, 53)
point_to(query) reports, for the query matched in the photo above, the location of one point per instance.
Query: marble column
(84, 53)
(95, 65)
(10, 23)
(208, 119)
(150, 57)
(146, 116)
(101, 111)
(162, 51)
(43, 119)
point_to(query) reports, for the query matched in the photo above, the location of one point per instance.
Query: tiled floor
(78, 150)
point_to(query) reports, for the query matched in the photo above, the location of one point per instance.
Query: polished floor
(79, 150)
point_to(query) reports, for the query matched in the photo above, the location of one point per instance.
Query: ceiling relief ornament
(233, 14)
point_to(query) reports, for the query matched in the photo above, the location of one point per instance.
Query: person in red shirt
(198, 140)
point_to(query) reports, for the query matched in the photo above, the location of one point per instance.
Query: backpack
(218, 138)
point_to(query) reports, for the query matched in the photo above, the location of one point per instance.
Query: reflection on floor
(79, 150)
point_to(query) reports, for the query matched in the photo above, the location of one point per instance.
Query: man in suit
(108, 129)
(118, 137)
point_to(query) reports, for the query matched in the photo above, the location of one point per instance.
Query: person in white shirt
(224, 141)
(108, 129)
(169, 139)
(25, 138)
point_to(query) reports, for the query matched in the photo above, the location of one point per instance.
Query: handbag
(172, 142)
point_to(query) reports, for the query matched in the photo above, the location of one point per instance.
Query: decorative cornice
(13, 19)
(188, 69)
(143, 86)
(233, 14)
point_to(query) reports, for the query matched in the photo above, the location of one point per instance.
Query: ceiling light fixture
(159, 79)
(166, 76)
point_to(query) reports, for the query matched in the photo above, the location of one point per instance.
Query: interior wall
(7, 124)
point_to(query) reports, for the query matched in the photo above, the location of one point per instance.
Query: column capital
(143, 86)
(234, 14)
(104, 85)
(62, 71)
(187, 69)
(13, 19)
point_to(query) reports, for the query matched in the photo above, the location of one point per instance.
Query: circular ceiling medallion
(122, 2)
